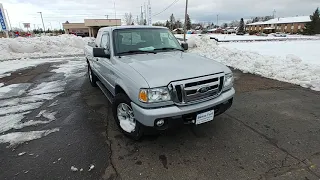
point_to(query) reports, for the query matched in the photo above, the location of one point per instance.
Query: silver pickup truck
(152, 82)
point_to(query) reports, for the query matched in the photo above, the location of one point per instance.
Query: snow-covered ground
(305, 51)
(6, 67)
(19, 100)
(234, 37)
(44, 46)
(289, 68)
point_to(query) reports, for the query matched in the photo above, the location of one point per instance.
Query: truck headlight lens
(154, 95)
(228, 81)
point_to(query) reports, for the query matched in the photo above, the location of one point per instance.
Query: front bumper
(148, 117)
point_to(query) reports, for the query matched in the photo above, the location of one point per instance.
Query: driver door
(104, 65)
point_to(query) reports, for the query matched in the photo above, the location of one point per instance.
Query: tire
(121, 99)
(92, 77)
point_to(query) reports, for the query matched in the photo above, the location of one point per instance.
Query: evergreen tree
(159, 24)
(167, 24)
(172, 21)
(188, 22)
(313, 27)
(256, 19)
(241, 26)
(178, 24)
(225, 25)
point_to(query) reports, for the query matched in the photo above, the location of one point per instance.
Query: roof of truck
(129, 27)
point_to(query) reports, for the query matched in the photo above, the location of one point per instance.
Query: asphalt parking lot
(272, 131)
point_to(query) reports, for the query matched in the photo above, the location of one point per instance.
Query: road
(271, 132)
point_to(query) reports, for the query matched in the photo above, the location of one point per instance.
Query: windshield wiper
(135, 51)
(168, 48)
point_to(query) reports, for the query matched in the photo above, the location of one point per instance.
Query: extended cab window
(141, 40)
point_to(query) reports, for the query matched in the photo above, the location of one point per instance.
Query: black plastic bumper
(173, 122)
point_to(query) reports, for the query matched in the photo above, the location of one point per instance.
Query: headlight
(154, 95)
(228, 81)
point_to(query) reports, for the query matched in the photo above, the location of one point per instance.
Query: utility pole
(44, 29)
(115, 13)
(107, 16)
(149, 14)
(145, 14)
(141, 17)
(217, 19)
(274, 13)
(185, 21)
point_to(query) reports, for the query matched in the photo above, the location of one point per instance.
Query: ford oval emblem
(204, 89)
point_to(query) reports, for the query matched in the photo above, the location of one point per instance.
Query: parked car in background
(279, 34)
(261, 34)
(152, 81)
(240, 33)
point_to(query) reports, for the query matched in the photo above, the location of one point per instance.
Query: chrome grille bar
(196, 90)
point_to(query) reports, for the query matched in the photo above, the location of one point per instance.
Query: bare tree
(128, 18)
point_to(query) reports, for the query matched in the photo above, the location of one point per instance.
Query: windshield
(144, 40)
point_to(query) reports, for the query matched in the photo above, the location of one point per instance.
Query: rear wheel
(124, 117)
(92, 77)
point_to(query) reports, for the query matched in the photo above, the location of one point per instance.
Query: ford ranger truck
(152, 82)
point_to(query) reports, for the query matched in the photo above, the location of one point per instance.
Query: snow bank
(289, 69)
(16, 48)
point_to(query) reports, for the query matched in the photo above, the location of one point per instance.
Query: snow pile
(41, 46)
(289, 69)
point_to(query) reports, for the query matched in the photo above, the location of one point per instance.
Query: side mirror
(184, 45)
(101, 52)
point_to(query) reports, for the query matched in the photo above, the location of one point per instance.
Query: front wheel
(124, 117)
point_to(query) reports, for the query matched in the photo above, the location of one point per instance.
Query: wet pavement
(272, 131)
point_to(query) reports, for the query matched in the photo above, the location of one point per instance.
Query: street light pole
(8, 19)
(185, 21)
(44, 29)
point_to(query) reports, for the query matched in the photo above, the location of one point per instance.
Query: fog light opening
(160, 122)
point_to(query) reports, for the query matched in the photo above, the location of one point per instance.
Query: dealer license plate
(205, 117)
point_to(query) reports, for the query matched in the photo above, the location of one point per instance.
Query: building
(90, 27)
(286, 25)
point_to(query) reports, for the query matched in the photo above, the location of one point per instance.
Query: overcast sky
(57, 11)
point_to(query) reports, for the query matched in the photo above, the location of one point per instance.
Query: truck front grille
(196, 90)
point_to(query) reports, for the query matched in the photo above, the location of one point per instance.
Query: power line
(174, 2)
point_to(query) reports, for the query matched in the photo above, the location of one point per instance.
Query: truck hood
(164, 67)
